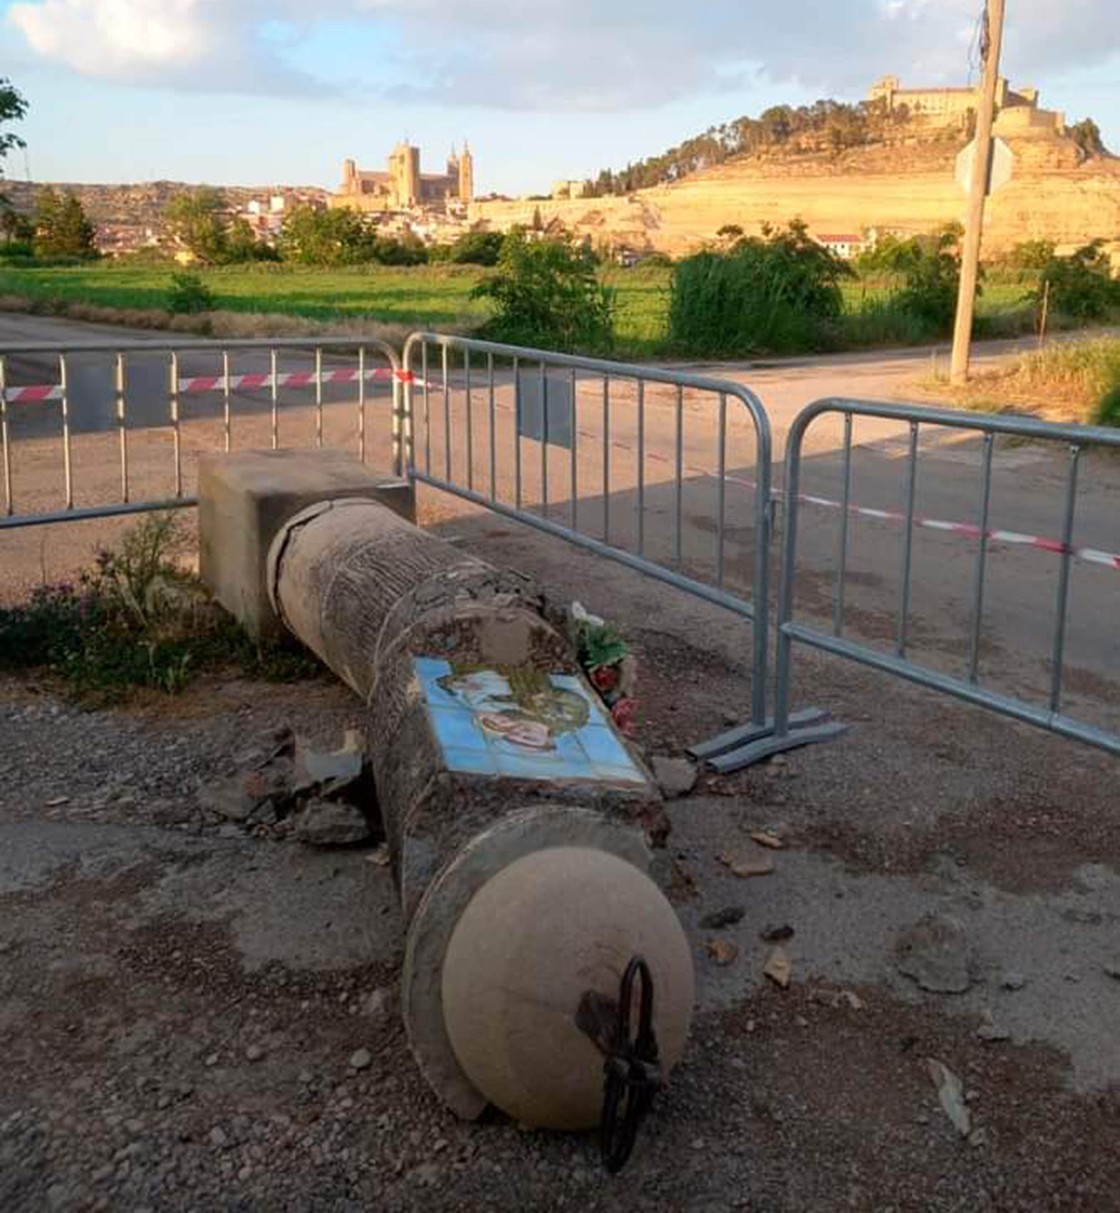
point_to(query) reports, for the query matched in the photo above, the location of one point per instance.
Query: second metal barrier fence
(1049, 712)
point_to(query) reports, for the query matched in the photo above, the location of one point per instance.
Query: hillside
(138, 208)
(904, 183)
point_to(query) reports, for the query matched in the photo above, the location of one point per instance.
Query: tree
(197, 221)
(1087, 135)
(338, 236)
(13, 225)
(1080, 285)
(13, 106)
(477, 248)
(547, 293)
(933, 278)
(61, 227)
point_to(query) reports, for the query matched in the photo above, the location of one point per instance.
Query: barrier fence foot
(744, 734)
(751, 743)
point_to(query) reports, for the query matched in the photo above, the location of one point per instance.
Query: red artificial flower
(624, 714)
(604, 678)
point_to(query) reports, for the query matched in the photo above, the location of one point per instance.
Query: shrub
(779, 294)
(547, 293)
(136, 620)
(932, 280)
(1081, 285)
(1108, 411)
(477, 248)
(189, 295)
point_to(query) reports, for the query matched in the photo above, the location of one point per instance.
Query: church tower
(466, 174)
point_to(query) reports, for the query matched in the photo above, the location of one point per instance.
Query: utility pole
(991, 41)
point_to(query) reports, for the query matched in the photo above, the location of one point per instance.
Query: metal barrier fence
(461, 412)
(471, 404)
(141, 390)
(1049, 716)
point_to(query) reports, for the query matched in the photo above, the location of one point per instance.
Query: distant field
(420, 296)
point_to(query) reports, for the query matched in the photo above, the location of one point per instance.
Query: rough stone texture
(508, 995)
(909, 184)
(936, 953)
(369, 592)
(675, 776)
(327, 823)
(245, 497)
(516, 835)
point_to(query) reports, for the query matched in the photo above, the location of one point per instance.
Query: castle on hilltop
(1018, 112)
(403, 187)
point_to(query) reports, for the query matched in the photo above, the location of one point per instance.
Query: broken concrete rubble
(319, 797)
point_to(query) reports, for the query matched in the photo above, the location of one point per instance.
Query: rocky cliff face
(906, 186)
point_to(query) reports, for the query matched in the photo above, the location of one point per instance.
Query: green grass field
(436, 296)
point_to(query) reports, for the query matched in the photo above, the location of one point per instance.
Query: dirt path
(181, 1002)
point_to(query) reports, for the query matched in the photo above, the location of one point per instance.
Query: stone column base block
(246, 497)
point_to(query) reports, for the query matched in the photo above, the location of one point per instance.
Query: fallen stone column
(517, 820)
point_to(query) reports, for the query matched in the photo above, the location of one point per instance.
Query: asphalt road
(1028, 489)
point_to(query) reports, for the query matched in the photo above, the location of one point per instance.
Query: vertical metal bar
(908, 541)
(470, 418)
(122, 426)
(493, 427)
(845, 506)
(427, 408)
(606, 458)
(678, 487)
(1063, 582)
(574, 512)
(9, 506)
(446, 417)
(721, 488)
(226, 426)
(641, 467)
(66, 452)
(763, 522)
(362, 407)
(517, 431)
(981, 560)
(274, 397)
(544, 439)
(176, 437)
(398, 417)
(786, 583)
(318, 397)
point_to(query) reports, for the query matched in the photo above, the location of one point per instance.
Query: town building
(403, 187)
(845, 245)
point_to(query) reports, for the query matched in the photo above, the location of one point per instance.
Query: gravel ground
(195, 1018)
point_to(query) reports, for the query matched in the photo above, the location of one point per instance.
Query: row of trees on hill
(833, 124)
(827, 124)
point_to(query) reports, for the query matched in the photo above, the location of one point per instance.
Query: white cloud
(192, 44)
(581, 54)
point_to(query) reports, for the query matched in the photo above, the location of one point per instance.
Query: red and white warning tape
(212, 383)
(1088, 555)
(1108, 560)
(39, 392)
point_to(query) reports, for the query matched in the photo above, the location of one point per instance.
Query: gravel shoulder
(199, 1018)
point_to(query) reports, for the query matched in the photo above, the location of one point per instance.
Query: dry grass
(231, 325)
(1071, 381)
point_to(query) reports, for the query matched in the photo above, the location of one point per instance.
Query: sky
(280, 92)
